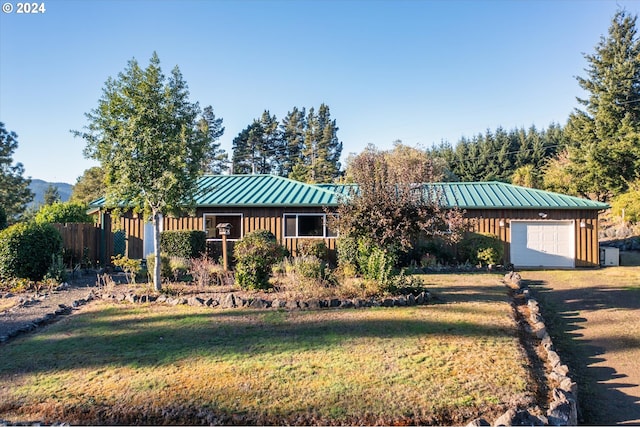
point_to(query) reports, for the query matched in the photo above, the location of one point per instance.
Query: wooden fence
(81, 243)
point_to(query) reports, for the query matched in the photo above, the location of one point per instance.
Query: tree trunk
(157, 282)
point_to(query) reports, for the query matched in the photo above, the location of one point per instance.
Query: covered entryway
(544, 243)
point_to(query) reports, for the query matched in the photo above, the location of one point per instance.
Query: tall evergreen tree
(255, 149)
(293, 132)
(51, 195)
(217, 160)
(14, 188)
(320, 160)
(604, 138)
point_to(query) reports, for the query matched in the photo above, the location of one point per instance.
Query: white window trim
(325, 226)
(219, 239)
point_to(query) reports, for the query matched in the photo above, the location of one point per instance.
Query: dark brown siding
(586, 244)
(479, 220)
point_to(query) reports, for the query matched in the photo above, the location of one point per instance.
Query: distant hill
(39, 187)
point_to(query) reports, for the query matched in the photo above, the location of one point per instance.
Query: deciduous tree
(147, 136)
(90, 186)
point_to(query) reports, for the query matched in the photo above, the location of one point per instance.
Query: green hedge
(183, 243)
(27, 250)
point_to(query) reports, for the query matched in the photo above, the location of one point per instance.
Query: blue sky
(420, 71)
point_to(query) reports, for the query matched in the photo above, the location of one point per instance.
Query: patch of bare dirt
(23, 312)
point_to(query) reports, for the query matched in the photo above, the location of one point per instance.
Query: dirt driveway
(594, 320)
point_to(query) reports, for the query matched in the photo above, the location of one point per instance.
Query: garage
(545, 243)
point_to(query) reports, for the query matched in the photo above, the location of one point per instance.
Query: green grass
(443, 363)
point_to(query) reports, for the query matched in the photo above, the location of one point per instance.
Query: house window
(307, 225)
(212, 220)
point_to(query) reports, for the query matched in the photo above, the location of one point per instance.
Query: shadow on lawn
(124, 336)
(601, 401)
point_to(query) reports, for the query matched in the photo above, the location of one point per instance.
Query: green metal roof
(256, 191)
(493, 195)
(260, 190)
(498, 195)
(275, 191)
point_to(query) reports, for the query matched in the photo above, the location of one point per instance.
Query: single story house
(538, 228)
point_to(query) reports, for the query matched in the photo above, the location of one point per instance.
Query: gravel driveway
(594, 319)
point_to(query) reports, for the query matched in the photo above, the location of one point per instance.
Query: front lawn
(443, 363)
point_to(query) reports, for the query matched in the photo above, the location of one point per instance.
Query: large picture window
(212, 220)
(307, 225)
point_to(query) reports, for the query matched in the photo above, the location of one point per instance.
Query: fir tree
(604, 138)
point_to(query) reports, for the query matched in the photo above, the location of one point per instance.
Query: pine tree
(14, 188)
(320, 160)
(292, 131)
(217, 160)
(51, 195)
(604, 138)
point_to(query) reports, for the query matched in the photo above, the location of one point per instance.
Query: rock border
(47, 318)
(563, 407)
(234, 300)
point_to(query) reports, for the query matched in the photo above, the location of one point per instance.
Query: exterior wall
(252, 219)
(479, 221)
(269, 219)
(586, 244)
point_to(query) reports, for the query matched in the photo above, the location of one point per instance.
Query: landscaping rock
(313, 304)
(479, 422)
(292, 305)
(387, 302)
(563, 410)
(334, 303)
(259, 303)
(228, 301)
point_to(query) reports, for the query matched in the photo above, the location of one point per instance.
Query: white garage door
(543, 243)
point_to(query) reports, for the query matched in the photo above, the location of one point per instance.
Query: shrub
(183, 243)
(255, 254)
(63, 212)
(348, 251)
(26, 250)
(56, 272)
(165, 265)
(481, 248)
(313, 247)
(128, 265)
(206, 272)
(179, 267)
(627, 205)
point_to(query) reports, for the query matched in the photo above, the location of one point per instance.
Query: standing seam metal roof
(275, 191)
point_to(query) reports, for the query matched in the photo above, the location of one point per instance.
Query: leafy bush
(309, 266)
(165, 265)
(183, 243)
(348, 251)
(63, 212)
(629, 203)
(377, 263)
(26, 250)
(56, 273)
(255, 254)
(179, 267)
(128, 265)
(312, 247)
(481, 248)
